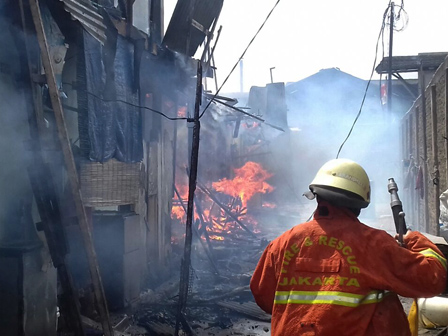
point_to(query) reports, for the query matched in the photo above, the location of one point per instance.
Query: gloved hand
(406, 235)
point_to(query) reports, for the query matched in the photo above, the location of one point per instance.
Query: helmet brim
(339, 197)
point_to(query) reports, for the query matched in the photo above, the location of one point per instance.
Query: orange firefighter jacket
(336, 276)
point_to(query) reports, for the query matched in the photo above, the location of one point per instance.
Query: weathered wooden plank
(71, 168)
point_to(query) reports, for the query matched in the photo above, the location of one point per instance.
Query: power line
(239, 59)
(214, 96)
(126, 103)
(370, 79)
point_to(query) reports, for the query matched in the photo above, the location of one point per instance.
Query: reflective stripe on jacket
(336, 276)
(334, 298)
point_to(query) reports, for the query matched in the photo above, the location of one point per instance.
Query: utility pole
(391, 41)
(186, 260)
(241, 76)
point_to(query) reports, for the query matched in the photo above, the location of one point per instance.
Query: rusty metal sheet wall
(181, 36)
(88, 17)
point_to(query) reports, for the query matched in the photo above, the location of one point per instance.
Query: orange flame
(249, 180)
(177, 210)
(182, 112)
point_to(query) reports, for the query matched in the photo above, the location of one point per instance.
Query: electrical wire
(126, 103)
(370, 79)
(239, 59)
(214, 96)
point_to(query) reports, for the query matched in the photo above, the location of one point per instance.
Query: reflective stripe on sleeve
(325, 297)
(433, 254)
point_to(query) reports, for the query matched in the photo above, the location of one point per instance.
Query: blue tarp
(109, 126)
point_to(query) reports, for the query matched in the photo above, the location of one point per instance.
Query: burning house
(95, 184)
(100, 130)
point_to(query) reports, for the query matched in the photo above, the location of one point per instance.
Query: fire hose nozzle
(392, 186)
(393, 190)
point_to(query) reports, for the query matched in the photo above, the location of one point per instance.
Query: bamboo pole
(71, 169)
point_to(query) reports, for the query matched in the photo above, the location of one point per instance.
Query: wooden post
(157, 24)
(129, 16)
(435, 157)
(45, 194)
(71, 169)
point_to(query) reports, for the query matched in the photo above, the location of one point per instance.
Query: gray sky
(302, 37)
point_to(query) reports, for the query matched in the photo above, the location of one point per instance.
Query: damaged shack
(97, 127)
(134, 200)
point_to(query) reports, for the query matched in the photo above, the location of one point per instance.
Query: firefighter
(336, 276)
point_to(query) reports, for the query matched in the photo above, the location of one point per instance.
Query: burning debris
(249, 180)
(227, 243)
(223, 211)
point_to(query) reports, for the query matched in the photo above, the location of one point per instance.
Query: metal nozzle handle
(393, 190)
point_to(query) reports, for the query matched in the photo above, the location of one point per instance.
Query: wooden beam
(405, 84)
(435, 157)
(71, 169)
(129, 16)
(44, 189)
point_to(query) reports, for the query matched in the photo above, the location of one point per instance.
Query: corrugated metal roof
(88, 17)
(428, 61)
(189, 23)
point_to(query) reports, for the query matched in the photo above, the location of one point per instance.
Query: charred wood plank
(97, 326)
(195, 230)
(248, 308)
(233, 292)
(226, 209)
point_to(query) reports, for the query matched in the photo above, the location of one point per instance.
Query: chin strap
(309, 194)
